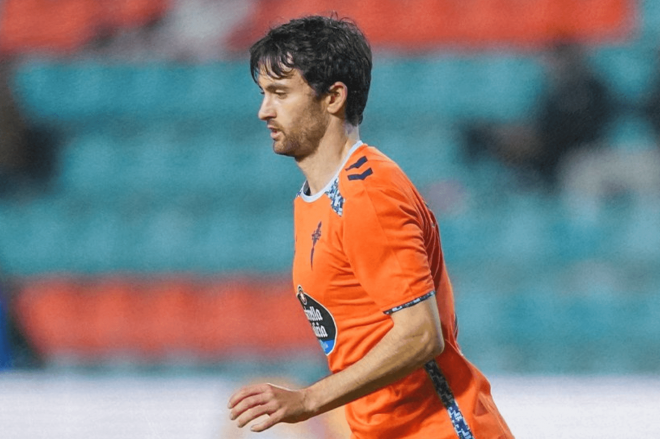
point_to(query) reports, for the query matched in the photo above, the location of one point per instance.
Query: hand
(279, 403)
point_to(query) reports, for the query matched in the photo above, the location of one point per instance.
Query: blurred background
(146, 225)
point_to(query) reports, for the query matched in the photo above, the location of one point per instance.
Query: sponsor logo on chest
(322, 322)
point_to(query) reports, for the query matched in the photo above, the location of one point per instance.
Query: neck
(320, 166)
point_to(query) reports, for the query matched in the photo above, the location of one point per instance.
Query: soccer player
(368, 267)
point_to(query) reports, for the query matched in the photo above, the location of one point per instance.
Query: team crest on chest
(315, 238)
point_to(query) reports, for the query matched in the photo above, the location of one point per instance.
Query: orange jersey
(365, 247)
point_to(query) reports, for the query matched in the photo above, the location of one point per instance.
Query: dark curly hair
(324, 50)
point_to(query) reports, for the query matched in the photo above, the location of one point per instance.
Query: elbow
(437, 345)
(433, 345)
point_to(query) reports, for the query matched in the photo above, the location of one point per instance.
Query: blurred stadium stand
(167, 232)
(28, 25)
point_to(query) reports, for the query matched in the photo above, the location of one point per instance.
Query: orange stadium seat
(284, 326)
(162, 316)
(238, 328)
(46, 26)
(208, 333)
(109, 308)
(47, 310)
(427, 24)
(129, 13)
(156, 318)
(64, 26)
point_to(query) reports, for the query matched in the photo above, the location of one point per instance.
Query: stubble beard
(304, 142)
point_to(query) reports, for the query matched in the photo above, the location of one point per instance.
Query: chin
(280, 149)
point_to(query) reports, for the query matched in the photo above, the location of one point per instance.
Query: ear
(336, 98)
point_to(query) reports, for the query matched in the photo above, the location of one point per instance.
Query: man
(368, 267)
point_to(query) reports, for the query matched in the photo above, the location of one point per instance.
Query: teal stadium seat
(466, 94)
(639, 236)
(233, 242)
(649, 13)
(94, 243)
(522, 234)
(481, 311)
(631, 133)
(223, 89)
(142, 91)
(36, 237)
(165, 239)
(510, 85)
(60, 92)
(628, 70)
(455, 86)
(149, 159)
(91, 164)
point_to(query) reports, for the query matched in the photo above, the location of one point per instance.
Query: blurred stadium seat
(28, 25)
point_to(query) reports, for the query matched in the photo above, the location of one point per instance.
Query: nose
(266, 109)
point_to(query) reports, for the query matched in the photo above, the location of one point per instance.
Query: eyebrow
(272, 86)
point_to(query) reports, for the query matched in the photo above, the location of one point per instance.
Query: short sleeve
(383, 239)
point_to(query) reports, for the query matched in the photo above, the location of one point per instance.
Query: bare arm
(415, 338)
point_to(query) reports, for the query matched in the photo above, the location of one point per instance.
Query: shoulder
(368, 168)
(371, 183)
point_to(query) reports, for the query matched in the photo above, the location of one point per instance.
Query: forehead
(291, 79)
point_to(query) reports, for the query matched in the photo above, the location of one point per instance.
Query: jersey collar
(305, 187)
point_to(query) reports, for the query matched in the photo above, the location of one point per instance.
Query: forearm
(394, 357)
(415, 338)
